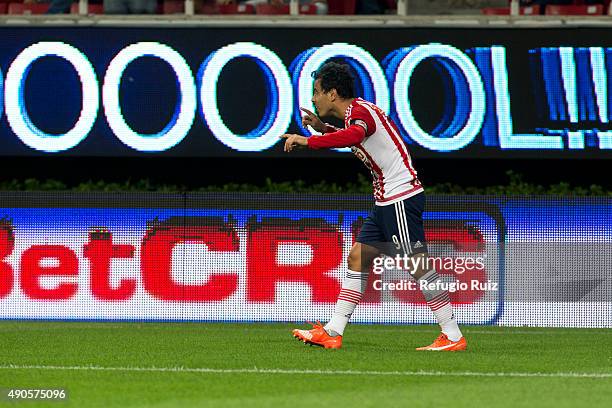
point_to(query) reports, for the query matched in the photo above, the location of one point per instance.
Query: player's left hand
(294, 140)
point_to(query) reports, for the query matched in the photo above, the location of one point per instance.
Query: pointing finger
(307, 111)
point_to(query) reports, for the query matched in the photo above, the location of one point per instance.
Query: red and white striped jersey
(383, 152)
(374, 138)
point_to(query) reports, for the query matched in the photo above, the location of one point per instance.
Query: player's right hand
(312, 120)
(292, 141)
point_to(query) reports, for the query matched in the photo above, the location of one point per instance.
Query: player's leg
(408, 229)
(353, 286)
(438, 300)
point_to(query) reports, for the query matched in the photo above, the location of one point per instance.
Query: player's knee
(361, 256)
(354, 259)
(420, 265)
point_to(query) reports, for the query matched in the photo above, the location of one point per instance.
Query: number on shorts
(396, 241)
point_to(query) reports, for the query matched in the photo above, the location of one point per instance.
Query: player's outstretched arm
(350, 136)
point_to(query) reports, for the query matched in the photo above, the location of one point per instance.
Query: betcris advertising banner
(213, 91)
(262, 257)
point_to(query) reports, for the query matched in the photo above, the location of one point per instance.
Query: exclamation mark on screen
(568, 73)
(600, 82)
(575, 140)
(602, 66)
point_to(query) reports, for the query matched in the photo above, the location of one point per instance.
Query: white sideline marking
(468, 330)
(503, 330)
(256, 370)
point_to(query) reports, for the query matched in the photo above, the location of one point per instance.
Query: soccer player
(395, 224)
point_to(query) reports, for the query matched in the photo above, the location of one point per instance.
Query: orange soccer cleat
(442, 343)
(318, 336)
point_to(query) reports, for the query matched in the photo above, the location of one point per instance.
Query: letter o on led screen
(470, 101)
(360, 60)
(277, 118)
(17, 113)
(182, 120)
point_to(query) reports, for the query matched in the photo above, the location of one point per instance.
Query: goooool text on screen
(570, 89)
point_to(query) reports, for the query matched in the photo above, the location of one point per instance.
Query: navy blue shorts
(396, 228)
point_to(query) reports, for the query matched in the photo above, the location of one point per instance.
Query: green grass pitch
(261, 365)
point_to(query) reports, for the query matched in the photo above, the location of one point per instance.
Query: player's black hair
(336, 76)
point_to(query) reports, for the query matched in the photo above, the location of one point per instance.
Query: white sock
(439, 303)
(353, 287)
